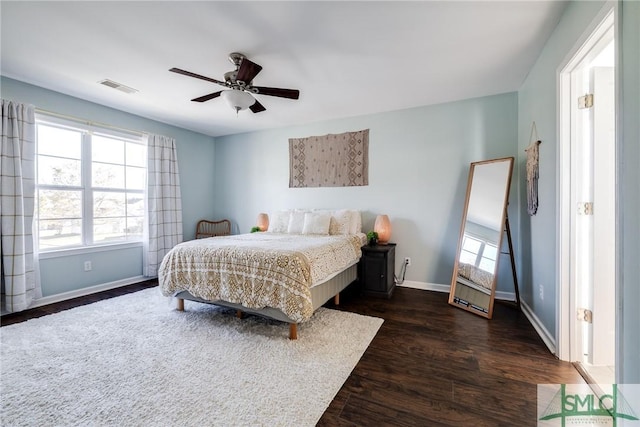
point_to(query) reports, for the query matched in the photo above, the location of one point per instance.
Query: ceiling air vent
(118, 86)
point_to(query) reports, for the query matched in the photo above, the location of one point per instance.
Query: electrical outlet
(407, 261)
(87, 266)
(541, 291)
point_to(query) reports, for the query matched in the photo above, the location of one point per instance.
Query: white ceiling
(346, 58)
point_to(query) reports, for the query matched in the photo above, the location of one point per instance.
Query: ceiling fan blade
(247, 71)
(257, 107)
(207, 97)
(197, 76)
(274, 91)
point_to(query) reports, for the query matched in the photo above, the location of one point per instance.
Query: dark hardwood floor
(430, 364)
(9, 319)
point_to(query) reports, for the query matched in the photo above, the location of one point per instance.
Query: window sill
(59, 253)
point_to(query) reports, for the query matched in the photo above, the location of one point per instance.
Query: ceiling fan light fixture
(238, 99)
(238, 84)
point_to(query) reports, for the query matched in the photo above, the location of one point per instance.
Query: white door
(595, 219)
(587, 205)
(602, 351)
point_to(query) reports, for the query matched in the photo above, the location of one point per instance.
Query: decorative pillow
(279, 222)
(340, 222)
(316, 223)
(296, 222)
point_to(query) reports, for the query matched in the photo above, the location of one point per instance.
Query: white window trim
(81, 250)
(87, 128)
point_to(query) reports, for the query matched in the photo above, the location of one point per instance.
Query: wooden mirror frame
(458, 301)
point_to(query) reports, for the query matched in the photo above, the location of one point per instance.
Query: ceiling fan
(239, 84)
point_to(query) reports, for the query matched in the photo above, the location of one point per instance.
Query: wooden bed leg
(180, 304)
(336, 299)
(239, 314)
(293, 331)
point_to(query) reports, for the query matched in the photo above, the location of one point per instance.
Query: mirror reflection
(474, 276)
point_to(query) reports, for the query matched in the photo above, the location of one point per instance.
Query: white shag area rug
(135, 361)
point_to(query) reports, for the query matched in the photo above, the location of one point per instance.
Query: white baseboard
(87, 291)
(425, 286)
(501, 295)
(506, 296)
(544, 334)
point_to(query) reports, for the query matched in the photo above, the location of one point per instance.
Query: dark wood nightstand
(377, 269)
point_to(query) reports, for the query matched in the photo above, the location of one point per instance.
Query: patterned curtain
(17, 195)
(164, 204)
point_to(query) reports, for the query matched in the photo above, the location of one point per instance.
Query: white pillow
(316, 223)
(356, 222)
(341, 222)
(296, 222)
(279, 222)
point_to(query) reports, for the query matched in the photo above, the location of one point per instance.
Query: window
(478, 252)
(91, 185)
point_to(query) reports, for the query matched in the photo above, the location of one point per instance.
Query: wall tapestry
(533, 173)
(334, 160)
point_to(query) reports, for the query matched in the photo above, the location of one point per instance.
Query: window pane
(490, 251)
(136, 178)
(471, 245)
(60, 232)
(487, 265)
(60, 204)
(107, 175)
(59, 171)
(117, 165)
(108, 205)
(468, 257)
(109, 229)
(135, 205)
(134, 228)
(107, 150)
(136, 154)
(55, 141)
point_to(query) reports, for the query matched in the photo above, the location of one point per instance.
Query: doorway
(587, 206)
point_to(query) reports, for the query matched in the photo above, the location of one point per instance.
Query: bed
(474, 287)
(475, 277)
(285, 273)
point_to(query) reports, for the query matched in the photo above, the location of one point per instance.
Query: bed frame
(320, 294)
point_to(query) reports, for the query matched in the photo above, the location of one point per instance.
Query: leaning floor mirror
(473, 284)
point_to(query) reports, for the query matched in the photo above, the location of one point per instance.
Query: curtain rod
(89, 122)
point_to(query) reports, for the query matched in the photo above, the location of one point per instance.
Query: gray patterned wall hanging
(533, 170)
(334, 160)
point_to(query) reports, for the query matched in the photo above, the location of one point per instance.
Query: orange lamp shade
(263, 221)
(382, 226)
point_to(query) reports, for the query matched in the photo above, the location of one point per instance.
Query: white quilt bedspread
(258, 269)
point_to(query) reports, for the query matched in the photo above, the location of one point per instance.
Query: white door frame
(566, 307)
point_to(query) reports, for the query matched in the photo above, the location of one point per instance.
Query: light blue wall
(66, 274)
(419, 162)
(537, 102)
(418, 165)
(195, 162)
(628, 337)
